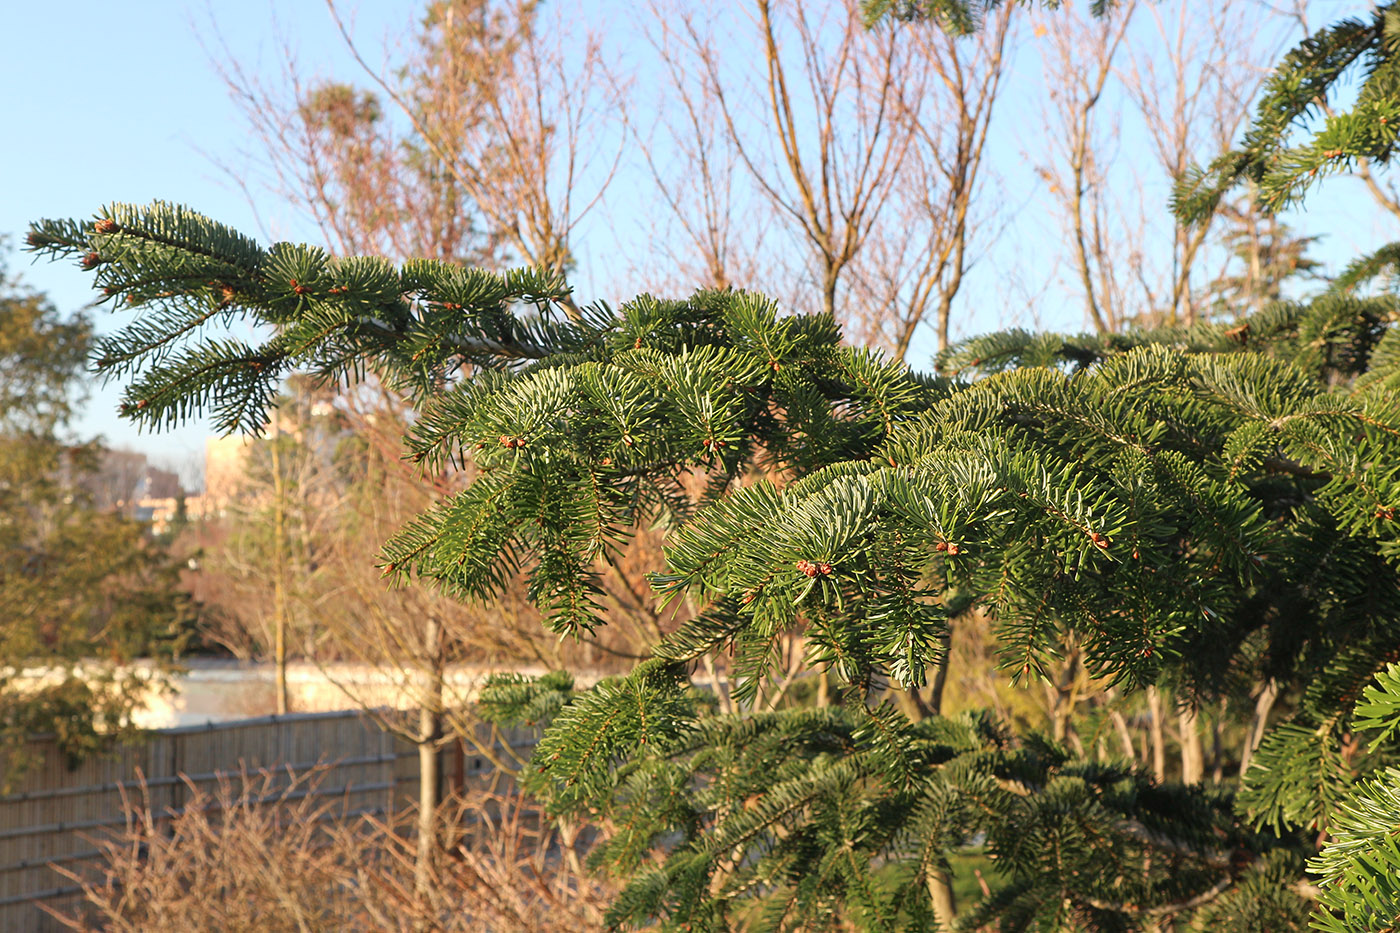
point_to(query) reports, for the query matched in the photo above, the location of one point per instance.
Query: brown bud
(824, 568)
(105, 225)
(1385, 513)
(91, 261)
(953, 549)
(1099, 540)
(807, 567)
(941, 546)
(506, 441)
(606, 461)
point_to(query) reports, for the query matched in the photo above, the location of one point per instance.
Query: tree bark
(279, 570)
(1262, 705)
(1125, 737)
(940, 892)
(1192, 756)
(1159, 751)
(429, 775)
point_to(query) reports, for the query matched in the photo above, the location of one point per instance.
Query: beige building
(225, 465)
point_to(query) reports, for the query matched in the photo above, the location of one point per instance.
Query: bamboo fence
(57, 814)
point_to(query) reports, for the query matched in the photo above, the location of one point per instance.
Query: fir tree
(1294, 141)
(1265, 254)
(1203, 505)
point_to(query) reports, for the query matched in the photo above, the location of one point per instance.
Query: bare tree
(1173, 79)
(537, 130)
(366, 181)
(1192, 84)
(489, 143)
(920, 248)
(1077, 61)
(715, 238)
(827, 143)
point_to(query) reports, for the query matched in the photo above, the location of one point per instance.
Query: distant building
(225, 469)
(124, 481)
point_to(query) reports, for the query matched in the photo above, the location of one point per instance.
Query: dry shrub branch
(278, 851)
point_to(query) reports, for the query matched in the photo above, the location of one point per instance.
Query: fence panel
(57, 813)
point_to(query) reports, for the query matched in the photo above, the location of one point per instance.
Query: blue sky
(120, 101)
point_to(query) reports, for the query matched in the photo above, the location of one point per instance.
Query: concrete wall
(216, 691)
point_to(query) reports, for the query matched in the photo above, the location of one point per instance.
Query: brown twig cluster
(271, 852)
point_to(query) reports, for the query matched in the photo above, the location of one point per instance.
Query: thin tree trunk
(726, 705)
(1159, 750)
(945, 315)
(1192, 756)
(279, 570)
(1217, 748)
(940, 892)
(1125, 737)
(1262, 705)
(429, 776)
(940, 676)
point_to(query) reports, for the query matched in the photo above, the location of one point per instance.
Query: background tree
(935, 223)
(79, 588)
(818, 74)
(490, 142)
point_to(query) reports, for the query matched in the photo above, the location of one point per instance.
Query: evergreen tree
(1202, 508)
(1198, 506)
(1294, 141)
(1265, 253)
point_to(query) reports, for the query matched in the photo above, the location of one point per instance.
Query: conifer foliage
(1203, 505)
(1296, 102)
